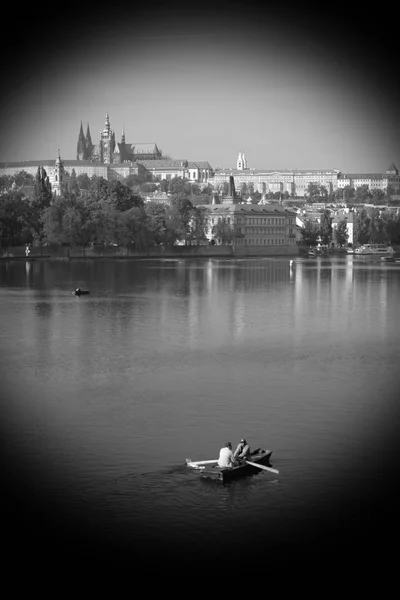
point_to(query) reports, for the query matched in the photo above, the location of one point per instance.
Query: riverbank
(66, 253)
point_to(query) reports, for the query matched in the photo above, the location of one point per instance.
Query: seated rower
(226, 458)
(242, 452)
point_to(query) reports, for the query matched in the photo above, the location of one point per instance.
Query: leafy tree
(362, 228)
(121, 197)
(362, 194)
(5, 182)
(310, 233)
(148, 187)
(164, 186)
(179, 187)
(323, 191)
(378, 233)
(23, 178)
(224, 188)
(198, 223)
(313, 191)
(244, 190)
(73, 186)
(325, 229)
(340, 232)
(224, 230)
(83, 181)
(393, 229)
(14, 219)
(156, 215)
(207, 190)
(42, 198)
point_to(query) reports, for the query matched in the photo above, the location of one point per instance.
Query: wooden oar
(262, 467)
(190, 463)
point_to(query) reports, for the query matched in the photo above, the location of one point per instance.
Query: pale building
(169, 168)
(374, 181)
(295, 182)
(268, 226)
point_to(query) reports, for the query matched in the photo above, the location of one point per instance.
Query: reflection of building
(267, 226)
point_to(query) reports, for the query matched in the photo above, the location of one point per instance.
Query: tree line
(95, 211)
(374, 227)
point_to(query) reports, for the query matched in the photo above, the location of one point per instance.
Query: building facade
(295, 182)
(169, 168)
(267, 226)
(374, 181)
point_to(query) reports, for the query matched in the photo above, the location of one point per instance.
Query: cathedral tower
(58, 177)
(107, 143)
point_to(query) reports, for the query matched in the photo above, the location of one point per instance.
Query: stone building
(270, 227)
(374, 181)
(293, 181)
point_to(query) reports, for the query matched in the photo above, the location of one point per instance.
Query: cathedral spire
(107, 124)
(123, 136)
(81, 146)
(88, 137)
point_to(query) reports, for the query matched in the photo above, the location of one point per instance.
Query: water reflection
(165, 359)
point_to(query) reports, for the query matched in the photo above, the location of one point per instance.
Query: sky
(292, 86)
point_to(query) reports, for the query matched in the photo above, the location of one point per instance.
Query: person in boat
(242, 452)
(226, 458)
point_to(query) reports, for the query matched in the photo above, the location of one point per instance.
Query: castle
(108, 151)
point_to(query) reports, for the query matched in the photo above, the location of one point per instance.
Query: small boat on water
(209, 469)
(79, 292)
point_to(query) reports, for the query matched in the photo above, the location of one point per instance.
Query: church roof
(200, 164)
(163, 163)
(150, 148)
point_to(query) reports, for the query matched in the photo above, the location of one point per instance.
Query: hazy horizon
(292, 93)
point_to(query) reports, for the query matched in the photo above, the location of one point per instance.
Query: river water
(104, 396)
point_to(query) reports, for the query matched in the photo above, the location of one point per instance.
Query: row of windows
(264, 242)
(265, 230)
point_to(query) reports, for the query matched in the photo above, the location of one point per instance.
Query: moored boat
(375, 249)
(387, 258)
(213, 471)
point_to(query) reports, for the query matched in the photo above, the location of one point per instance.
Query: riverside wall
(79, 252)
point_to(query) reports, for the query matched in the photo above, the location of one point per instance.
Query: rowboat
(209, 469)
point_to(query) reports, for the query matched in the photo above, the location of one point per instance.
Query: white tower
(239, 164)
